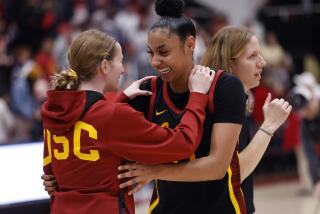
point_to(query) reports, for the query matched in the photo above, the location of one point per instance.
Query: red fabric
(291, 132)
(47, 63)
(260, 94)
(236, 181)
(48, 20)
(153, 97)
(117, 96)
(211, 91)
(91, 186)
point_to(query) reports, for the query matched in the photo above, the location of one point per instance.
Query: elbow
(188, 150)
(219, 173)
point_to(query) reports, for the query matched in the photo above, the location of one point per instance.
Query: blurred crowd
(35, 35)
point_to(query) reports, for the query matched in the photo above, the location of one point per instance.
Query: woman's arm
(131, 92)
(212, 167)
(147, 142)
(275, 113)
(229, 112)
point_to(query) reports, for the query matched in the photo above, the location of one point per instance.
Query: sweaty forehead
(162, 37)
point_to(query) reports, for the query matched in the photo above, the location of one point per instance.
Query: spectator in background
(25, 73)
(306, 101)
(277, 64)
(45, 59)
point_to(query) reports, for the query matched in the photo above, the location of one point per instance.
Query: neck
(93, 85)
(180, 85)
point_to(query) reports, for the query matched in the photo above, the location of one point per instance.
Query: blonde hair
(84, 55)
(226, 46)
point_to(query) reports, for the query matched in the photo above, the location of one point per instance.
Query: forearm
(158, 145)
(252, 154)
(201, 169)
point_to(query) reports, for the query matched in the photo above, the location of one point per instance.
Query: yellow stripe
(47, 138)
(231, 193)
(193, 157)
(156, 202)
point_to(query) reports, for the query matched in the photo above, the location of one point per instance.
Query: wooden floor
(275, 198)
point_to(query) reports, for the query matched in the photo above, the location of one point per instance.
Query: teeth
(165, 71)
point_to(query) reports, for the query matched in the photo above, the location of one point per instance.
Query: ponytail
(66, 79)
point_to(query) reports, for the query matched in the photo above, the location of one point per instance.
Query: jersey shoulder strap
(212, 89)
(153, 97)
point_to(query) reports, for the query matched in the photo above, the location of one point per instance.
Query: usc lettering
(79, 127)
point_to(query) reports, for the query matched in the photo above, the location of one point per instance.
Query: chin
(255, 85)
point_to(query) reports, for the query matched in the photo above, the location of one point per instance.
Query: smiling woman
(235, 50)
(86, 136)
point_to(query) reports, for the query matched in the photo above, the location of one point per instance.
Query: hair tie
(73, 74)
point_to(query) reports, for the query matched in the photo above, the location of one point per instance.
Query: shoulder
(229, 99)
(227, 86)
(227, 80)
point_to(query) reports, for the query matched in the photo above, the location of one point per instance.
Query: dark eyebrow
(159, 47)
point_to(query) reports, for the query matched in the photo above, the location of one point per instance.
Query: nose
(122, 70)
(262, 62)
(155, 61)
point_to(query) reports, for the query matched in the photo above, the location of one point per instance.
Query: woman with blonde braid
(87, 136)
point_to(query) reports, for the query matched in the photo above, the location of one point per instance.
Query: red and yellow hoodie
(86, 137)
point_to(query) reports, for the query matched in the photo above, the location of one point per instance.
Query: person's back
(82, 162)
(87, 136)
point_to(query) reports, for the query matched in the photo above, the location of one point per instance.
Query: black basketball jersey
(220, 196)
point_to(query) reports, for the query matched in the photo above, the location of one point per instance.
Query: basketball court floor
(275, 198)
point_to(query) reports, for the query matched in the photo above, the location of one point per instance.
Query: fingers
(145, 93)
(127, 167)
(51, 183)
(145, 78)
(212, 73)
(285, 105)
(49, 189)
(47, 177)
(289, 109)
(136, 189)
(195, 69)
(281, 101)
(129, 183)
(268, 99)
(129, 174)
(281, 104)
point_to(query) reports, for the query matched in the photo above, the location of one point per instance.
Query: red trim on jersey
(168, 100)
(153, 97)
(211, 91)
(236, 181)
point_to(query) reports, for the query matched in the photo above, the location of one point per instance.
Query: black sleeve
(141, 103)
(229, 100)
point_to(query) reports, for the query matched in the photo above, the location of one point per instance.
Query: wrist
(125, 92)
(265, 131)
(268, 127)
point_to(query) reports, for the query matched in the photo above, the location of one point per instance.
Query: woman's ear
(190, 43)
(105, 66)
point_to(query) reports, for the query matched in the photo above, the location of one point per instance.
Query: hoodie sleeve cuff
(122, 98)
(197, 99)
